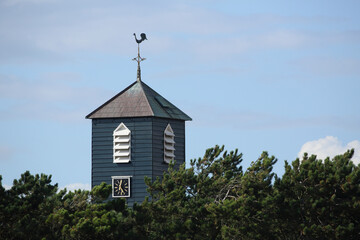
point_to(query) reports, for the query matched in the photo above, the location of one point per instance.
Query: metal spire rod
(139, 58)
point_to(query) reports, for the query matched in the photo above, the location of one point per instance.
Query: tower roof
(138, 100)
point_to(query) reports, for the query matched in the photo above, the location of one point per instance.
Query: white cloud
(329, 66)
(6, 152)
(329, 147)
(237, 118)
(53, 31)
(21, 2)
(7, 187)
(57, 100)
(76, 186)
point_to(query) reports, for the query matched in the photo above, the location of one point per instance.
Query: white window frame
(121, 144)
(169, 144)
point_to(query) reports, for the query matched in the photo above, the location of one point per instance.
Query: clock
(121, 186)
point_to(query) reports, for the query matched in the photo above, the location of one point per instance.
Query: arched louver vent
(122, 141)
(169, 144)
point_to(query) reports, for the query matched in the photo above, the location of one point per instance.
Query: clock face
(121, 187)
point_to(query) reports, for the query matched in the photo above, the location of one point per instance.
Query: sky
(275, 76)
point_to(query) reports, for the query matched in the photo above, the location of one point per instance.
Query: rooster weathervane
(138, 59)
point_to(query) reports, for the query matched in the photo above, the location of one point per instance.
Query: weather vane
(138, 58)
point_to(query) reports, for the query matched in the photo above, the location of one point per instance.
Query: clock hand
(120, 187)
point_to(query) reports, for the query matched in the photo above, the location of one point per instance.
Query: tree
(3, 204)
(252, 214)
(213, 199)
(89, 215)
(320, 199)
(25, 207)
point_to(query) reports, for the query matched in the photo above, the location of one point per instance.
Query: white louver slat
(122, 144)
(169, 144)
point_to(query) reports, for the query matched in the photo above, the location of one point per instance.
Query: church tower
(135, 134)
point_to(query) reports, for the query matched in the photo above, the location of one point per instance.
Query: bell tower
(135, 134)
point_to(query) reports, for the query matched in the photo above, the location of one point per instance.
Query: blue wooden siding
(140, 166)
(159, 125)
(147, 151)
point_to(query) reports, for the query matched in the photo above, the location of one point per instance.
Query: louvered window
(122, 142)
(169, 144)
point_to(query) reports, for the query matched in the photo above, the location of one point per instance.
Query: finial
(138, 58)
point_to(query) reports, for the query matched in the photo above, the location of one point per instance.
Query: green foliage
(213, 199)
(25, 207)
(321, 199)
(87, 215)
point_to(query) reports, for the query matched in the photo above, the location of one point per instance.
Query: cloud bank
(330, 147)
(49, 99)
(76, 186)
(40, 32)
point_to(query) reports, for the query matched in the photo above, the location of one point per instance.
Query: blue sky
(276, 76)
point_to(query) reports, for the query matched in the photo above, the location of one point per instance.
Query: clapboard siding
(140, 165)
(119, 165)
(147, 151)
(123, 172)
(138, 162)
(159, 125)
